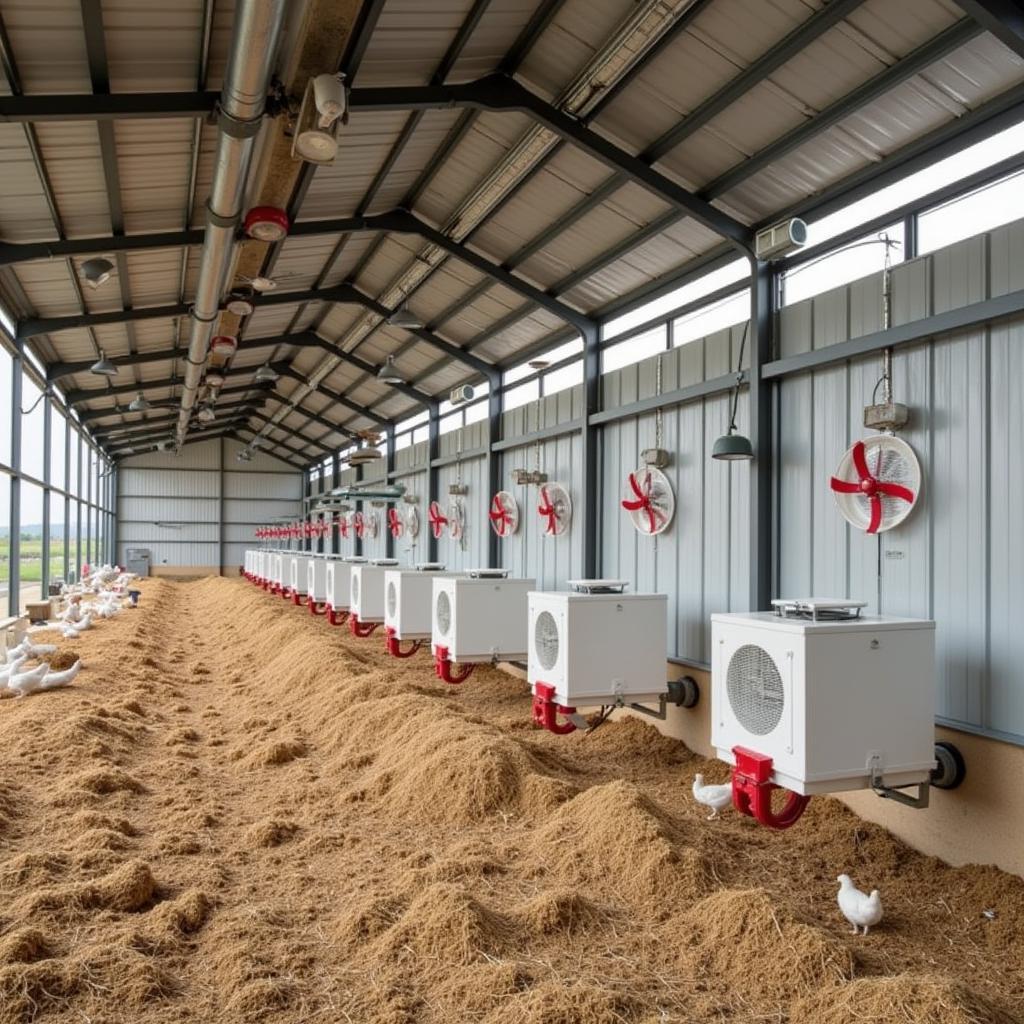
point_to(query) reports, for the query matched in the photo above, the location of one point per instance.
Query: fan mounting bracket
(886, 416)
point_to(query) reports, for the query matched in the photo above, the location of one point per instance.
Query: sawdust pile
(238, 813)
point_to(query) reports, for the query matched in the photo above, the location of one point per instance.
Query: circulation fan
(649, 500)
(555, 509)
(371, 524)
(412, 522)
(877, 483)
(456, 519)
(395, 523)
(438, 520)
(504, 514)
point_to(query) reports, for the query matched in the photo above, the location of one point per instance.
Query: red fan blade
(633, 506)
(860, 461)
(650, 516)
(897, 491)
(876, 514)
(844, 486)
(636, 487)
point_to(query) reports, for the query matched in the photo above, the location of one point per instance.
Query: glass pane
(76, 539)
(527, 392)
(58, 432)
(476, 412)
(979, 211)
(32, 454)
(853, 261)
(733, 310)
(56, 537)
(450, 422)
(30, 547)
(5, 410)
(420, 434)
(567, 377)
(74, 468)
(5, 541)
(650, 343)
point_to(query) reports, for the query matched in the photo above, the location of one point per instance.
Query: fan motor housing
(316, 578)
(298, 573)
(823, 698)
(366, 590)
(609, 648)
(408, 601)
(485, 617)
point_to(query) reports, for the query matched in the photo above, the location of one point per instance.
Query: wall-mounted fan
(504, 514)
(371, 524)
(358, 524)
(555, 508)
(343, 524)
(877, 483)
(412, 522)
(438, 520)
(456, 519)
(649, 500)
(395, 523)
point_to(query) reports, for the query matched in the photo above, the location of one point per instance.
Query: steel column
(433, 474)
(590, 438)
(762, 318)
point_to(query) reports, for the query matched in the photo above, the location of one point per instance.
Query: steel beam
(1003, 18)
(87, 416)
(11, 252)
(501, 93)
(759, 399)
(117, 429)
(359, 410)
(106, 106)
(29, 328)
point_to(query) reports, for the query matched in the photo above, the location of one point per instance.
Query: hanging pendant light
(404, 317)
(266, 374)
(733, 446)
(97, 271)
(139, 403)
(389, 373)
(103, 367)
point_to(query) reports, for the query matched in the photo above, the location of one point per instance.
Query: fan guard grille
(755, 690)
(545, 640)
(444, 612)
(392, 599)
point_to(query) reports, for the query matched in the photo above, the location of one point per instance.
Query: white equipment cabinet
(596, 644)
(316, 579)
(339, 585)
(276, 571)
(479, 617)
(366, 601)
(835, 698)
(298, 574)
(408, 595)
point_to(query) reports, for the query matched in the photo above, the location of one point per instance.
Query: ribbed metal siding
(960, 557)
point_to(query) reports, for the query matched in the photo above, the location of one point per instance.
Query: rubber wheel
(684, 693)
(951, 770)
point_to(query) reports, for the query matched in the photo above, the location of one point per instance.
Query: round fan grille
(889, 460)
(355, 588)
(755, 691)
(545, 640)
(444, 613)
(412, 521)
(649, 500)
(392, 599)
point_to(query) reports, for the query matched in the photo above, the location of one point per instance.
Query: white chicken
(715, 797)
(11, 668)
(860, 909)
(31, 650)
(28, 682)
(24, 681)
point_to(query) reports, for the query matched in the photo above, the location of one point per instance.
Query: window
(853, 261)
(476, 412)
(682, 296)
(453, 421)
(33, 454)
(58, 435)
(5, 542)
(528, 392)
(699, 324)
(640, 346)
(30, 546)
(565, 377)
(981, 210)
(5, 416)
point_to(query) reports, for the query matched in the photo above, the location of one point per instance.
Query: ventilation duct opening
(755, 691)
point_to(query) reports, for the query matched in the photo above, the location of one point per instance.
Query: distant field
(31, 559)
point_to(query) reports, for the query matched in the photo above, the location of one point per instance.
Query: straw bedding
(238, 813)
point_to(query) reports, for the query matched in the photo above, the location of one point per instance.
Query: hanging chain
(658, 417)
(887, 316)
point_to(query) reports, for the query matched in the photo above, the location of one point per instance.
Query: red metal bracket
(296, 598)
(752, 790)
(315, 608)
(361, 629)
(336, 617)
(394, 646)
(443, 667)
(545, 711)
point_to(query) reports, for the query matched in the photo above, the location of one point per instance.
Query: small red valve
(443, 667)
(266, 223)
(752, 790)
(545, 711)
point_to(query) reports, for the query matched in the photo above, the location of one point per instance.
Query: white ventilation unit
(480, 617)
(338, 581)
(316, 579)
(298, 576)
(276, 577)
(596, 644)
(366, 602)
(833, 697)
(407, 599)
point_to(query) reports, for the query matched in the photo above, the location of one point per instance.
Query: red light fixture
(224, 345)
(266, 223)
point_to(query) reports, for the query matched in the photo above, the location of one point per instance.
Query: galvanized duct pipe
(253, 49)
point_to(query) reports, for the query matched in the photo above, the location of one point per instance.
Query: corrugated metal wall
(198, 511)
(702, 560)
(411, 463)
(959, 558)
(470, 550)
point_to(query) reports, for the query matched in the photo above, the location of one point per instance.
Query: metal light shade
(139, 403)
(239, 305)
(224, 345)
(214, 379)
(206, 414)
(266, 223)
(316, 146)
(388, 373)
(103, 367)
(402, 317)
(244, 455)
(96, 271)
(266, 374)
(731, 447)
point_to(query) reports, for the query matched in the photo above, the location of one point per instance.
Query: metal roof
(756, 107)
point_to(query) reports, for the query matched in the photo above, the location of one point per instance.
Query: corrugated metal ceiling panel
(48, 44)
(47, 286)
(154, 159)
(153, 47)
(24, 212)
(71, 152)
